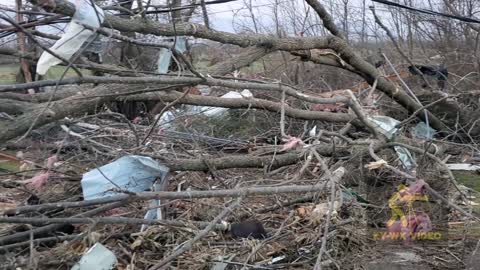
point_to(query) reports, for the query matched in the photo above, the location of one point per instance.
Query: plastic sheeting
(168, 117)
(74, 37)
(405, 157)
(212, 111)
(463, 167)
(97, 257)
(132, 173)
(165, 56)
(422, 131)
(386, 126)
(164, 60)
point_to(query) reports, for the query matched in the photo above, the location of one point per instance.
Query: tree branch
(189, 244)
(15, 107)
(143, 196)
(143, 26)
(328, 21)
(244, 103)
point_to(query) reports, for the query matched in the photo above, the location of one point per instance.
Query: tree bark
(369, 73)
(15, 106)
(88, 101)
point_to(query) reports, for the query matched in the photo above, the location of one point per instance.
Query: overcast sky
(233, 16)
(221, 15)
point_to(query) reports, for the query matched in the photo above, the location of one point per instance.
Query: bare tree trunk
(24, 65)
(205, 14)
(345, 20)
(410, 33)
(176, 14)
(364, 36)
(129, 51)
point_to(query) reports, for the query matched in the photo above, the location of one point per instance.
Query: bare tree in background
(313, 85)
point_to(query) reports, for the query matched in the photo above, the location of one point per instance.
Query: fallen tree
(333, 155)
(265, 43)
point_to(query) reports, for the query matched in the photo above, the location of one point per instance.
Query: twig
(105, 220)
(473, 256)
(395, 44)
(188, 245)
(328, 21)
(414, 114)
(355, 105)
(429, 189)
(333, 187)
(74, 134)
(50, 228)
(408, 89)
(248, 192)
(122, 117)
(395, 170)
(159, 116)
(39, 44)
(40, 241)
(300, 173)
(282, 116)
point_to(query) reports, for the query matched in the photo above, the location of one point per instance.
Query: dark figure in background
(440, 72)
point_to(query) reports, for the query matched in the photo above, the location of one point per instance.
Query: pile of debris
(101, 199)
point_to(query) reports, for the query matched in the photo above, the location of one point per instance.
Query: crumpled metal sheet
(132, 173)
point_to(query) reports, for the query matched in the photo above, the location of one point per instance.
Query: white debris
(463, 167)
(321, 210)
(313, 132)
(74, 37)
(132, 173)
(212, 111)
(97, 257)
